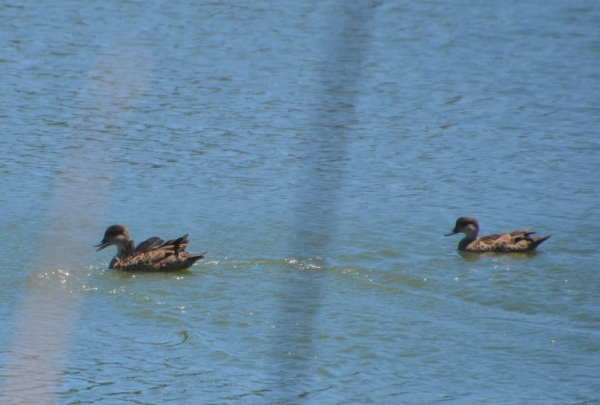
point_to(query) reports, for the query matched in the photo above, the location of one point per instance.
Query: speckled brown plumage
(516, 241)
(153, 254)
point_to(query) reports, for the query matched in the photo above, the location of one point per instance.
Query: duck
(153, 254)
(516, 241)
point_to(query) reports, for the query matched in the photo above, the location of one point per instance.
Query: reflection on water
(46, 317)
(469, 256)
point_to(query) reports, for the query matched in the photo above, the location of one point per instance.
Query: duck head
(467, 225)
(117, 235)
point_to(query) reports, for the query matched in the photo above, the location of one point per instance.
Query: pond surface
(319, 151)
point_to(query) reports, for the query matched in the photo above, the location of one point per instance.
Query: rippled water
(319, 152)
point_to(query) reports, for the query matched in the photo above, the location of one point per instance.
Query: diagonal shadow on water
(318, 201)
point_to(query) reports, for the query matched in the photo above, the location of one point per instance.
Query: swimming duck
(154, 254)
(516, 241)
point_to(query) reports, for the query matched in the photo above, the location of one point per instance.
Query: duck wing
(170, 255)
(148, 244)
(490, 239)
(502, 242)
(518, 236)
(175, 245)
(156, 254)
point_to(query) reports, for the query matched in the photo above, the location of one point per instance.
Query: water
(319, 152)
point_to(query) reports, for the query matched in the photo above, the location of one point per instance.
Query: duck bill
(454, 232)
(103, 244)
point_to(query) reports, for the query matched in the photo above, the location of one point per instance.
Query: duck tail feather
(540, 240)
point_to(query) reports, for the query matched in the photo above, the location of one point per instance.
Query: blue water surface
(319, 151)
